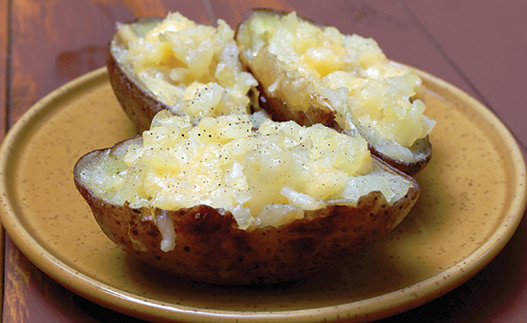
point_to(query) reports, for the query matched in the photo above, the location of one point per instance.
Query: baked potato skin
(138, 102)
(209, 246)
(278, 110)
(408, 168)
(267, 68)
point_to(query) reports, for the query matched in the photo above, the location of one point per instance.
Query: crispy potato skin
(211, 248)
(408, 168)
(279, 111)
(139, 104)
(267, 68)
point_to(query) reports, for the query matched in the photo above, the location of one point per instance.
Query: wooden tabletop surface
(479, 46)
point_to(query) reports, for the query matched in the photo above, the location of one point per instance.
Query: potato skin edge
(138, 102)
(211, 248)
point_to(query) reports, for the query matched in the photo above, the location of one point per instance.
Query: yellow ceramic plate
(473, 197)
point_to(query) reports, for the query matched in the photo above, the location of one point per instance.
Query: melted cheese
(267, 176)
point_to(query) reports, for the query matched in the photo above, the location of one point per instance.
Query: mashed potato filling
(365, 89)
(192, 68)
(264, 176)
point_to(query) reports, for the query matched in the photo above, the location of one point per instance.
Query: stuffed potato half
(175, 64)
(226, 210)
(314, 74)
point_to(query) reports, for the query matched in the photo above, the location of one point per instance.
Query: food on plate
(315, 74)
(177, 65)
(234, 200)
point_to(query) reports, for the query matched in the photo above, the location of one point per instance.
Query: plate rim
(120, 300)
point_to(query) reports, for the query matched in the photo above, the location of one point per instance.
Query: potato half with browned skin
(175, 64)
(315, 74)
(230, 202)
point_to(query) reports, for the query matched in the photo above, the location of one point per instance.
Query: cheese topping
(267, 176)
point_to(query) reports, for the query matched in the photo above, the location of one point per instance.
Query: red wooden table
(479, 46)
